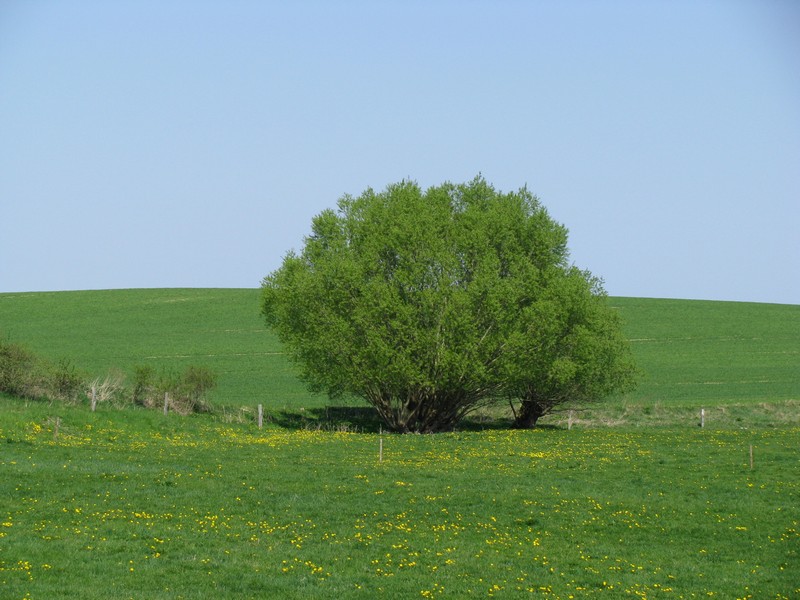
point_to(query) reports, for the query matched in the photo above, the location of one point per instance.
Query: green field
(135, 504)
(697, 353)
(165, 328)
(132, 504)
(693, 354)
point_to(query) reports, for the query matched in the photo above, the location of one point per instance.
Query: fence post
(166, 402)
(702, 417)
(260, 416)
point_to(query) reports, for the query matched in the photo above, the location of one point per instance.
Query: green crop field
(165, 328)
(693, 354)
(699, 353)
(136, 504)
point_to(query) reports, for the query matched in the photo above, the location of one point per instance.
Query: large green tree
(429, 304)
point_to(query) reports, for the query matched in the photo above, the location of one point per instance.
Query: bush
(187, 391)
(63, 382)
(25, 375)
(16, 370)
(143, 387)
(193, 387)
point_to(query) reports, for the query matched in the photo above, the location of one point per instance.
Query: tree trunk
(528, 414)
(420, 413)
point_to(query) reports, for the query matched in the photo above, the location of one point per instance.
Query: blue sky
(189, 144)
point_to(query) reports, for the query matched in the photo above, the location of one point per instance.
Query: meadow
(132, 504)
(633, 501)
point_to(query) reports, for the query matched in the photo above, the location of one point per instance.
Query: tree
(429, 304)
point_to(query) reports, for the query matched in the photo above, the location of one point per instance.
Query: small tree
(424, 303)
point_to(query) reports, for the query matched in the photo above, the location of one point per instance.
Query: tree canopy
(429, 304)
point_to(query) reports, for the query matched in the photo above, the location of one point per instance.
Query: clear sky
(189, 143)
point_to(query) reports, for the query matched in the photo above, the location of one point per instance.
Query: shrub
(25, 375)
(143, 386)
(63, 381)
(187, 391)
(16, 369)
(193, 387)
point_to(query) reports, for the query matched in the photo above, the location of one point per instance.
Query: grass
(132, 504)
(101, 331)
(693, 354)
(135, 504)
(701, 353)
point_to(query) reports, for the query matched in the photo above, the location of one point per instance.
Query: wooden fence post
(166, 402)
(702, 417)
(260, 416)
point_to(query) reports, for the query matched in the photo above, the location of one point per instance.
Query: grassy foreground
(132, 504)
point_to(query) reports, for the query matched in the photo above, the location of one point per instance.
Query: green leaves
(431, 303)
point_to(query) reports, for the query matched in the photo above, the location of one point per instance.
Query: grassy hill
(134, 503)
(692, 353)
(697, 353)
(166, 328)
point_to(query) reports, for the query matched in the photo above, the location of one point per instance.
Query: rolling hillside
(692, 353)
